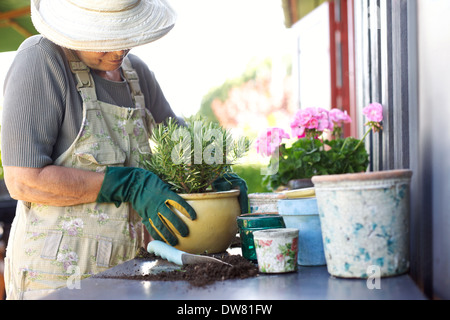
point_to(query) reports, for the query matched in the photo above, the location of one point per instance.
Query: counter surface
(308, 283)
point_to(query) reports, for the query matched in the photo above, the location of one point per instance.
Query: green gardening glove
(232, 181)
(150, 197)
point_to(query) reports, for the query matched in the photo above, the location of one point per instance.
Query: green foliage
(251, 173)
(308, 157)
(346, 156)
(190, 158)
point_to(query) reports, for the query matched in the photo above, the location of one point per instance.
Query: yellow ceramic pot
(215, 226)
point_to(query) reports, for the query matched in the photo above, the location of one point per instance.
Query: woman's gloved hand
(232, 181)
(150, 197)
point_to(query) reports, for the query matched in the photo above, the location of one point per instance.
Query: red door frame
(342, 61)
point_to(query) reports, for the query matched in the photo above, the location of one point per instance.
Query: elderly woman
(78, 112)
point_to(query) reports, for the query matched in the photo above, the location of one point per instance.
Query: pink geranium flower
(269, 140)
(338, 116)
(374, 112)
(374, 115)
(323, 120)
(312, 123)
(320, 147)
(310, 120)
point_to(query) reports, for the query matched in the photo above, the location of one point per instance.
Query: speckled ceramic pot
(365, 222)
(276, 250)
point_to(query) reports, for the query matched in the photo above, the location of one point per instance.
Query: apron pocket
(106, 155)
(104, 250)
(51, 245)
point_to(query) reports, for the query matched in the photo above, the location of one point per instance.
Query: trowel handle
(165, 251)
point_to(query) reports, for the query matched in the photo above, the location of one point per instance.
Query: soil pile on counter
(203, 274)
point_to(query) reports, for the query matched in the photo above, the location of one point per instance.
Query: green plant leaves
(191, 157)
(308, 157)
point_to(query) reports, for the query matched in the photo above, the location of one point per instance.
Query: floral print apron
(52, 247)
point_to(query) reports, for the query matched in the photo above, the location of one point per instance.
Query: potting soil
(199, 275)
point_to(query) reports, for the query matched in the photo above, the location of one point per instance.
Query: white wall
(312, 67)
(434, 135)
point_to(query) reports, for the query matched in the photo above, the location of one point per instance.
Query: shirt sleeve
(33, 107)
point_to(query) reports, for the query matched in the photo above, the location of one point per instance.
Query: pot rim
(210, 195)
(260, 220)
(365, 176)
(275, 233)
(267, 195)
(257, 215)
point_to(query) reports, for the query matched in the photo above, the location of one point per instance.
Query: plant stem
(363, 138)
(343, 145)
(185, 187)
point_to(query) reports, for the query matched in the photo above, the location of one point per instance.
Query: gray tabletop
(308, 283)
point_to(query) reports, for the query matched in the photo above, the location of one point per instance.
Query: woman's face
(103, 61)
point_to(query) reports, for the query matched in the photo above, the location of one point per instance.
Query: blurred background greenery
(259, 98)
(252, 175)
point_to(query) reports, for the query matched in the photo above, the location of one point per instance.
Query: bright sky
(213, 40)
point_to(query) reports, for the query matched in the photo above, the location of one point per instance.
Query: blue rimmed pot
(303, 214)
(365, 222)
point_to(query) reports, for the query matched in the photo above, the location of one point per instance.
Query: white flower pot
(265, 202)
(365, 222)
(276, 250)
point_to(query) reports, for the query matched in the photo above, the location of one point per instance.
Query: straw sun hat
(102, 25)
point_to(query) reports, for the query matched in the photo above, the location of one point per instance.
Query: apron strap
(82, 73)
(133, 80)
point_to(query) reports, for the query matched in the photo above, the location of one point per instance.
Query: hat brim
(76, 28)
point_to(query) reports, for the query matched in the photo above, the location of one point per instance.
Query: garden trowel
(179, 257)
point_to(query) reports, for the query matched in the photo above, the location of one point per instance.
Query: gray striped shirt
(42, 110)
